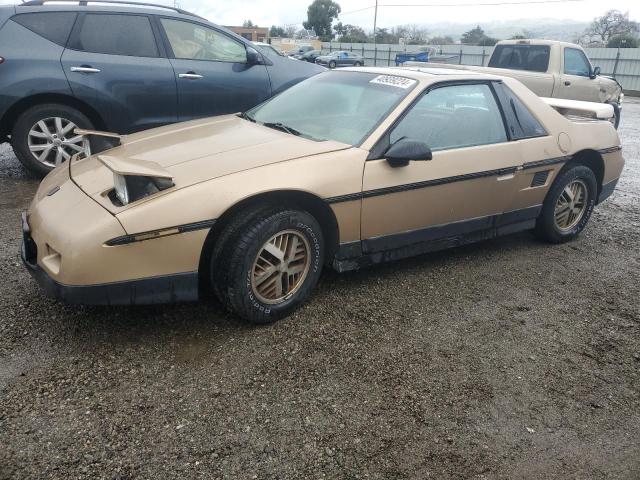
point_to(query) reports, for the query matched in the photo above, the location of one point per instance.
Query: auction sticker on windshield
(393, 81)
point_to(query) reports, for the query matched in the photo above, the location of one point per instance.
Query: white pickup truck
(550, 69)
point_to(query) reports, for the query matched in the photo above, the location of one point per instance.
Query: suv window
(534, 58)
(115, 35)
(576, 63)
(454, 116)
(195, 42)
(54, 26)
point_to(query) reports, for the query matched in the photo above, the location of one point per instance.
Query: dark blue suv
(122, 68)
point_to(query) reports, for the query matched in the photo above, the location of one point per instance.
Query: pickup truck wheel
(43, 138)
(568, 205)
(271, 264)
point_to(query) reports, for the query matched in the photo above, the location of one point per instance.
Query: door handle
(567, 83)
(85, 69)
(190, 75)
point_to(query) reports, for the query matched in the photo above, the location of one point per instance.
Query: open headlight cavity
(130, 188)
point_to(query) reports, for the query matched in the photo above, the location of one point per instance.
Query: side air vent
(540, 178)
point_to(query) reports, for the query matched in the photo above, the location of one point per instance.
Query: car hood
(196, 151)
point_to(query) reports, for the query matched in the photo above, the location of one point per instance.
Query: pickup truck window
(576, 63)
(454, 116)
(534, 58)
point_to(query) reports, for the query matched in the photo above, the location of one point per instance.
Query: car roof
(425, 74)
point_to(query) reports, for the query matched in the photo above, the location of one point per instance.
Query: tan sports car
(347, 169)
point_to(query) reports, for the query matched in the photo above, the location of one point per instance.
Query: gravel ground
(506, 359)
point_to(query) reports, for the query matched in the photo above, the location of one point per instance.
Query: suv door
(113, 63)
(575, 81)
(211, 71)
(469, 180)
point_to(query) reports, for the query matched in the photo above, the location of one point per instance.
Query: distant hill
(549, 28)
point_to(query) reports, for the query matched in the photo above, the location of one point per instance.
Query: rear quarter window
(54, 26)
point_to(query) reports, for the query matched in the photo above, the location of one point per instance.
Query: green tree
(350, 33)
(623, 41)
(487, 41)
(249, 24)
(276, 31)
(473, 36)
(320, 15)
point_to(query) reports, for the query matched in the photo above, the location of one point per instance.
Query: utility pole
(375, 23)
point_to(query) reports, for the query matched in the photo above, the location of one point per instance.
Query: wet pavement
(510, 358)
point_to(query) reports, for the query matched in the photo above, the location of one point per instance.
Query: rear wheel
(269, 264)
(568, 205)
(357, 64)
(43, 136)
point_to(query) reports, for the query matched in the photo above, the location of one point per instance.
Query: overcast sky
(281, 12)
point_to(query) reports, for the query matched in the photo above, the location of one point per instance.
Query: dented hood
(196, 151)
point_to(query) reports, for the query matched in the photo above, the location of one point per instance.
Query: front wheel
(43, 136)
(568, 205)
(332, 64)
(270, 265)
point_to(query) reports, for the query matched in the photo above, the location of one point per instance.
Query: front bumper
(181, 287)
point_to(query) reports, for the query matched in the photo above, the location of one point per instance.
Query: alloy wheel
(53, 141)
(281, 266)
(571, 205)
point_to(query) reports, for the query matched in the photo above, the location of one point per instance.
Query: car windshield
(340, 106)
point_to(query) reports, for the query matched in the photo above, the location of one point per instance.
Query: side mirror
(405, 150)
(253, 57)
(595, 73)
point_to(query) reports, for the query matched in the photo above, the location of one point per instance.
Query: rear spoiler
(600, 111)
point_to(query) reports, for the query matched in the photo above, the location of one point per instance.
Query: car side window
(115, 34)
(454, 116)
(576, 63)
(54, 26)
(191, 41)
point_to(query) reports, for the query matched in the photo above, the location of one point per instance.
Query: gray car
(340, 58)
(121, 67)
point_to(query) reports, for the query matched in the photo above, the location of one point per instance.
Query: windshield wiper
(282, 127)
(247, 117)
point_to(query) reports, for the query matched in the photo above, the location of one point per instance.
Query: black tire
(332, 64)
(232, 264)
(546, 225)
(29, 118)
(357, 64)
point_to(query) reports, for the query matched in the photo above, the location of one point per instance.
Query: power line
(481, 4)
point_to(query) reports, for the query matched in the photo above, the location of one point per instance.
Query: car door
(114, 63)
(466, 184)
(211, 70)
(575, 80)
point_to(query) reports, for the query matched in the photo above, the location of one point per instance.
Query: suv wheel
(270, 265)
(568, 205)
(43, 136)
